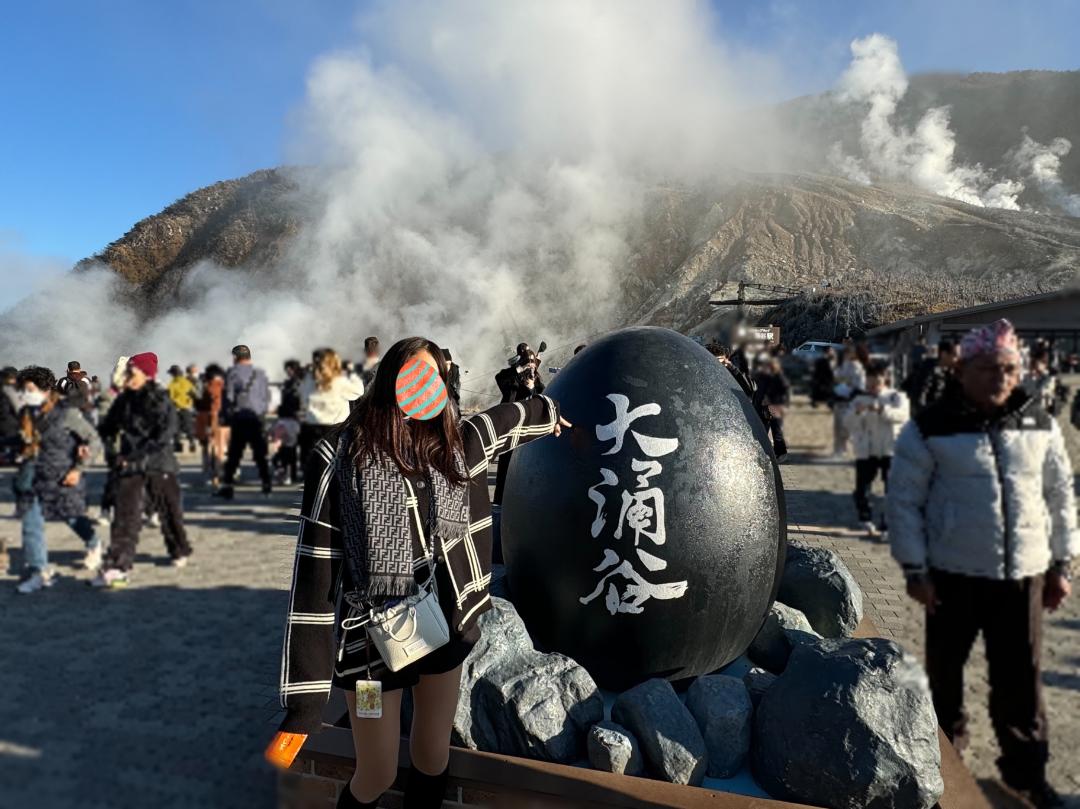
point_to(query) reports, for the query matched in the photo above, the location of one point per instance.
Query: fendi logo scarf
(376, 524)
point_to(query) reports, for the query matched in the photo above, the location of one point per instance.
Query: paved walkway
(156, 695)
(161, 694)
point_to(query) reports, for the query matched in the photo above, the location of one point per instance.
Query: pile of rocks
(522, 702)
(821, 718)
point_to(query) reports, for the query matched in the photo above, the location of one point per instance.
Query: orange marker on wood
(283, 748)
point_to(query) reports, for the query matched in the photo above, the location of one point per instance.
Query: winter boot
(425, 791)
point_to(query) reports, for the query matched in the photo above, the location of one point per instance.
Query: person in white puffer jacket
(874, 420)
(982, 518)
(850, 379)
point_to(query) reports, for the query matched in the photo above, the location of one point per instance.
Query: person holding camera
(394, 518)
(518, 383)
(145, 422)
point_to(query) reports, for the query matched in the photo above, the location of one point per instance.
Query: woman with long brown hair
(396, 506)
(212, 435)
(57, 443)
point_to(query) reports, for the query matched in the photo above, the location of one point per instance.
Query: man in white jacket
(874, 420)
(982, 518)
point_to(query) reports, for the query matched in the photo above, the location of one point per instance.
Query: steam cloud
(483, 170)
(1042, 163)
(923, 156)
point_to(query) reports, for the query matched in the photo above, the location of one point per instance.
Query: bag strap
(428, 552)
(244, 390)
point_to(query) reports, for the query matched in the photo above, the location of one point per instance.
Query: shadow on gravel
(145, 696)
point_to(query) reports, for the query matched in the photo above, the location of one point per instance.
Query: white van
(811, 350)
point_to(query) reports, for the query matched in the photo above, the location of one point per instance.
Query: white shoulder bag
(415, 627)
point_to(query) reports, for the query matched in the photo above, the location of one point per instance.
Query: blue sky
(110, 110)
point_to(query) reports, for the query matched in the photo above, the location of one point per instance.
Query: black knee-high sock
(349, 801)
(425, 791)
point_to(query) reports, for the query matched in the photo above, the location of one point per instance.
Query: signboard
(767, 335)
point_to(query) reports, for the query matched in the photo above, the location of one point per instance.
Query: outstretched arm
(507, 426)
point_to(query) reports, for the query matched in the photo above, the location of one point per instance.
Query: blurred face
(947, 359)
(32, 395)
(421, 394)
(989, 380)
(875, 385)
(135, 378)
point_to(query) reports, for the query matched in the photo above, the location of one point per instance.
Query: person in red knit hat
(145, 421)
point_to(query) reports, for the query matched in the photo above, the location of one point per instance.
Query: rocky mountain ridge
(797, 229)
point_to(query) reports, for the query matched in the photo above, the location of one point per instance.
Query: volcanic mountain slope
(797, 230)
(807, 230)
(245, 222)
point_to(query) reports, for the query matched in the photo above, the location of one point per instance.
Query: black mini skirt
(354, 663)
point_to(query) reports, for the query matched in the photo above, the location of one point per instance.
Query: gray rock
(503, 638)
(670, 739)
(818, 584)
(519, 701)
(849, 725)
(784, 627)
(502, 635)
(613, 748)
(723, 711)
(757, 682)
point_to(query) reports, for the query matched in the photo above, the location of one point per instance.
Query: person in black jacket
(146, 423)
(756, 395)
(823, 379)
(291, 400)
(518, 383)
(371, 361)
(9, 416)
(774, 394)
(932, 377)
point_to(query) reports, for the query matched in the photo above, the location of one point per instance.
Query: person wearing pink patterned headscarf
(982, 518)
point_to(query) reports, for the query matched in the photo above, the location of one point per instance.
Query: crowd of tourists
(979, 508)
(138, 423)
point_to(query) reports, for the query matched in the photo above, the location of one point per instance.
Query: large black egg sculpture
(648, 540)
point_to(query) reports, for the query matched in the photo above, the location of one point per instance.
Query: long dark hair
(378, 426)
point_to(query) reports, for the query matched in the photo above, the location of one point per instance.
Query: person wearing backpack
(245, 401)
